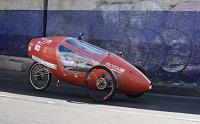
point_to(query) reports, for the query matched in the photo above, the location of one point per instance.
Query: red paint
(130, 79)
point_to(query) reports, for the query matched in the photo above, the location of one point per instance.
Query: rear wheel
(100, 83)
(39, 76)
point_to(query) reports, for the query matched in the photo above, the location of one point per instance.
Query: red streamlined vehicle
(80, 63)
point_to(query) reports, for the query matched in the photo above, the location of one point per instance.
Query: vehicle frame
(80, 63)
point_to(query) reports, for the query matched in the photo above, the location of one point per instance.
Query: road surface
(20, 104)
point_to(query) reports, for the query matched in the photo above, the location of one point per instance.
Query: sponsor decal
(30, 44)
(47, 41)
(37, 47)
(40, 43)
(29, 48)
(45, 49)
(75, 62)
(43, 62)
(115, 68)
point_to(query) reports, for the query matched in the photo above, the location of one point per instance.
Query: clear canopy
(86, 46)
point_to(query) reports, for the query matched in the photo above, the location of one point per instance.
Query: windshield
(86, 46)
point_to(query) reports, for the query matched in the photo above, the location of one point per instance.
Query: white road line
(111, 110)
(50, 102)
(18, 98)
(154, 115)
(6, 96)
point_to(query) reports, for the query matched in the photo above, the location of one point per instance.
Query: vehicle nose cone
(142, 81)
(147, 85)
(150, 86)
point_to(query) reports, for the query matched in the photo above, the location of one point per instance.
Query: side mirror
(120, 54)
(80, 36)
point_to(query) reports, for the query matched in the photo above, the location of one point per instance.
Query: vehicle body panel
(69, 59)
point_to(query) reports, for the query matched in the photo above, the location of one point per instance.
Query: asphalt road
(20, 104)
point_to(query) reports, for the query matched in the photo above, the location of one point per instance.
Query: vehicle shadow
(78, 95)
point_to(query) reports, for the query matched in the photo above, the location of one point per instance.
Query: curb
(15, 63)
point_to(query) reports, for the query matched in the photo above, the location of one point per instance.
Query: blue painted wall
(17, 28)
(166, 44)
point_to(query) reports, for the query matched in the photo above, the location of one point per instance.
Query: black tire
(136, 95)
(112, 88)
(39, 79)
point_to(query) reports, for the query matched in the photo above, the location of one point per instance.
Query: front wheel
(39, 76)
(100, 83)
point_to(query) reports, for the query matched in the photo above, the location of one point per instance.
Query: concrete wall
(21, 4)
(15, 63)
(161, 36)
(117, 4)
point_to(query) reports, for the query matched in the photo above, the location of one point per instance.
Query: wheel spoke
(39, 76)
(105, 88)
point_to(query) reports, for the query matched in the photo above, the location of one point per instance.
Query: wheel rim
(100, 83)
(39, 76)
